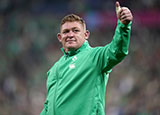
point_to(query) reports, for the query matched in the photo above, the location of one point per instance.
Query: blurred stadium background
(29, 47)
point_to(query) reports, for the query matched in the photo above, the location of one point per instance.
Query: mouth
(70, 40)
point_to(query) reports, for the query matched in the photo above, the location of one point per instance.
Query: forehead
(70, 25)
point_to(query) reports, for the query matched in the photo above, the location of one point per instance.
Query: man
(76, 83)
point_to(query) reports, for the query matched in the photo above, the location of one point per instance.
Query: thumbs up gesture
(123, 14)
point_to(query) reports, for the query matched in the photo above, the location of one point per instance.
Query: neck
(66, 49)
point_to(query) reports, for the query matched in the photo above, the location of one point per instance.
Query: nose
(70, 34)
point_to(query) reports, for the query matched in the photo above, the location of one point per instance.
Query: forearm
(116, 51)
(121, 38)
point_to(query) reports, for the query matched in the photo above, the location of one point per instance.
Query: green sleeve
(45, 109)
(43, 112)
(114, 52)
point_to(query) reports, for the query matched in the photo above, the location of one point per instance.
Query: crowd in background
(29, 47)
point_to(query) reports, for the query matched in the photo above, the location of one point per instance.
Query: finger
(117, 4)
(118, 7)
(125, 13)
(129, 18)
(124, 9)
(125, 16)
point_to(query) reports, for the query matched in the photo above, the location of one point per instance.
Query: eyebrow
(70, 28)
(75, 28)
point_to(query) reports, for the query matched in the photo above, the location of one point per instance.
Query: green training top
(76, 83)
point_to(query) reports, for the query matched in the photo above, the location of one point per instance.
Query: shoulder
(99, 48)
(56, 63)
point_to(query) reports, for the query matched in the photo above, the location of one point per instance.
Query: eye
(75, 30)
(65, 31)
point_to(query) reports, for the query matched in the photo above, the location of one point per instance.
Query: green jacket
(76, 84)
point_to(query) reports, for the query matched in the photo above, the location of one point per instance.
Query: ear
(59, 37)
(87, 33)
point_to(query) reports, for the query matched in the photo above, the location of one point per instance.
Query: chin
(72, 47)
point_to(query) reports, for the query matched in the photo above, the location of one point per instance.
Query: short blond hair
(73, 18)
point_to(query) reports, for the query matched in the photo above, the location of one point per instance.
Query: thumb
(118, 7)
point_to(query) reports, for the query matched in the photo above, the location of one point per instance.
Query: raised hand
(123, 14)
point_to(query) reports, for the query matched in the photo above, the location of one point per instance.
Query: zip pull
(66, 56)
(97, 112)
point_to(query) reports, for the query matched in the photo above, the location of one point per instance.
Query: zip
(97, 111)
(55, 94)
(66, 56)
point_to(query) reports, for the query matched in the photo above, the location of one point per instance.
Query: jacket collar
(73, 52)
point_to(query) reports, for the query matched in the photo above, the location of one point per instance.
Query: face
(72, 35)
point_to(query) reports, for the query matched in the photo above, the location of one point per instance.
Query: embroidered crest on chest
(72, 65)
